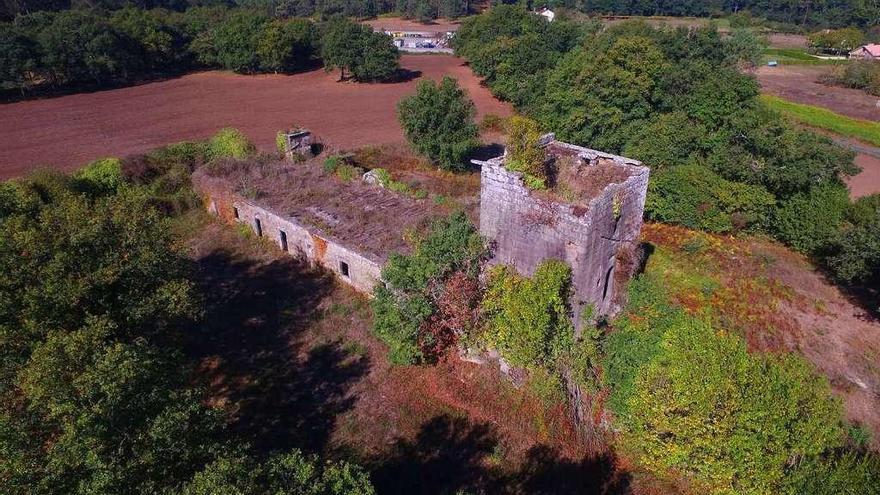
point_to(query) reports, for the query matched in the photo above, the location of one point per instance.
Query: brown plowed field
(798, 83)
(68, 131)
(398, 24)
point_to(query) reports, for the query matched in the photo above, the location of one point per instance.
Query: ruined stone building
(592, 222)
(590, 218)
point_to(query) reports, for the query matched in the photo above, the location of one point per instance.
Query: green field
(822, 118)
(794, 56)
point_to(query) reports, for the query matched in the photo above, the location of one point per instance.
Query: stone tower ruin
(594, 228)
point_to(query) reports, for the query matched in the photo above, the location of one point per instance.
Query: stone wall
(595, 240)
(363, 271)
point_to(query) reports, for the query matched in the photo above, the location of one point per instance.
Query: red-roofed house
(866, 52)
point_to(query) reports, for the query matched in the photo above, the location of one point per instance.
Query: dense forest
(80, 48)
(831, 13)
(676, 99)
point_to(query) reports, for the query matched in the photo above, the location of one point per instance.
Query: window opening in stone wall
(343, 268)
(213, 208)
(258, 227)
(283, 236)
(235, 212)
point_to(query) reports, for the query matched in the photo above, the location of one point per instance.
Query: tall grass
(796, 56)
(822, 118)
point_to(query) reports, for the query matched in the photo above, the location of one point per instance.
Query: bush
(529, 318)
(694, 196)
(102, 176)
(415, 284)
(810, 222)
(439, 122)
(523, 153)
(230, 143)
(740, 427)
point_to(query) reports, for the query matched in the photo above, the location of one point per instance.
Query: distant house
(866, 52)
(547, 13)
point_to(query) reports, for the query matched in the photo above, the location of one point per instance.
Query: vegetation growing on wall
(430, 294)
(523, 153)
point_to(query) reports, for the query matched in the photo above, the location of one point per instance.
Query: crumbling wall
(526, 230)
(363, 271)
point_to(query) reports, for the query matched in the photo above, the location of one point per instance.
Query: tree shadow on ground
(284, 393)
(451, 455)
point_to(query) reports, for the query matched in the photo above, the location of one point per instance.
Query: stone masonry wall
(527, 230)
(363, 271)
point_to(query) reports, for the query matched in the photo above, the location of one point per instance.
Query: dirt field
(69, 131)
(798, 84)
(780, 40)
(398, 24)
(868, 181)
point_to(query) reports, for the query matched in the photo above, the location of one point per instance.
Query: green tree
(438, 121)
(810, 222)
(19, 57)
(412, 285)
(352, 47)
(233, 44)
(287, 46)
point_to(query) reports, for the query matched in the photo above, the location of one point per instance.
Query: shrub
(810, 222)
(230, 143)
(738, 429)
(696, 197)
(523, 153)
(415, 283)
(529, 318)
(834, 474)
(439, 122)
(102, 176)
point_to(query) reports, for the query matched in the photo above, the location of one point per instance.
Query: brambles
(415, 315)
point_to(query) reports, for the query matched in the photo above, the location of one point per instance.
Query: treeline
(833, 13)
(91, 47)
(95, 394)
(414, 9)
(673, 98)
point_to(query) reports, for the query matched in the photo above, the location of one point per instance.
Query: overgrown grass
(795, 56)
(823, 118)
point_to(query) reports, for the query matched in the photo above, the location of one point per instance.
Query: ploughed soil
(798, 83)
(782, 40)
(398, 24)
(69, 131)
(288, 351)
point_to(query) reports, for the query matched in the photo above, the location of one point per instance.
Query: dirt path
(798, 84)
(69, 131)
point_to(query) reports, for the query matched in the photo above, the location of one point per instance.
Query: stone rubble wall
(527, 230)
(364, 273)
